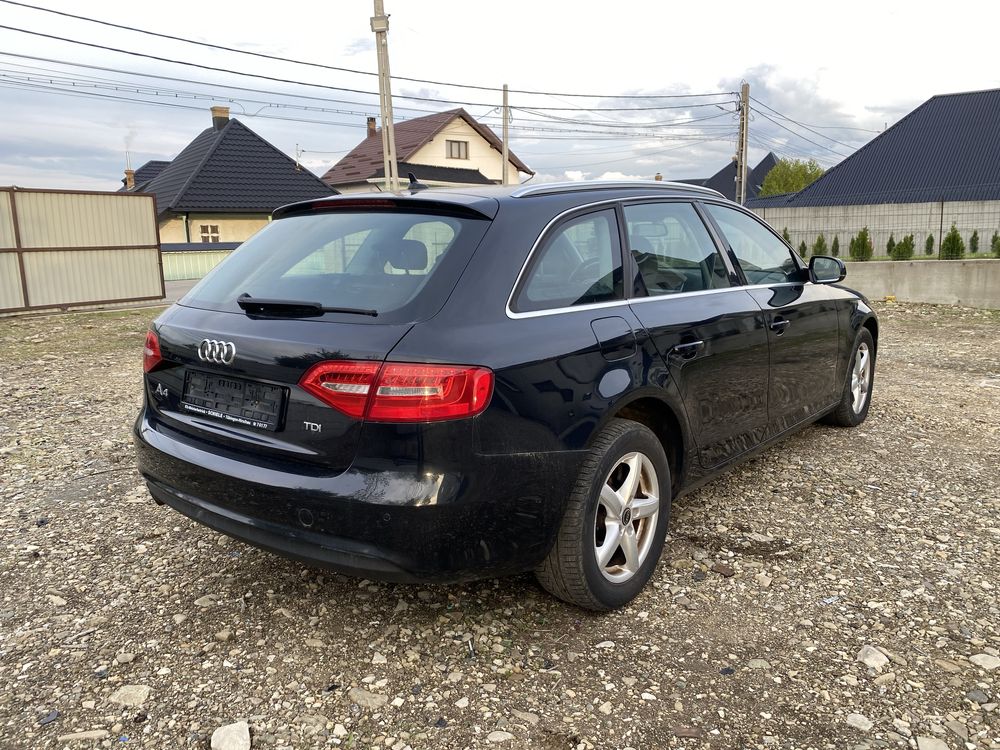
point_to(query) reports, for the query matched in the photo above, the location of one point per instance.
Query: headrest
(405, 255)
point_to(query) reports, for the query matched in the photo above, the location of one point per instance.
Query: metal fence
(62, 249)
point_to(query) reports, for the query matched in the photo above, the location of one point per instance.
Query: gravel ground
(837, 592)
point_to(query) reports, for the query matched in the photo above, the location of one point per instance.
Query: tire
(572, 571)
(848, 413)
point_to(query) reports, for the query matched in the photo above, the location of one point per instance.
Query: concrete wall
(918, 219)
(973, 283)
(232, 227)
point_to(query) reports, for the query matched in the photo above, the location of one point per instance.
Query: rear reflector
(151, 357)
(400, 392)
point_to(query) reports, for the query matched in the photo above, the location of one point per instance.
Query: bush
(890, 245)
(819, 246)
(929, 245)
(974, 242)
(835, 247)
(952, 246)
(787, 237)
(803, 249)
(903, 250)
(995, 244)
(861, 246)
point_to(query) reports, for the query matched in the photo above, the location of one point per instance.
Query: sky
(823, 83)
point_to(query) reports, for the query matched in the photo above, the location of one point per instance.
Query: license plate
(243, 402)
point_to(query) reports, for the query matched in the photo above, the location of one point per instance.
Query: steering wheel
(586, 270)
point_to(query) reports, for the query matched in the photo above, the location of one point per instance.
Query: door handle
(779, 325)
(688, 350)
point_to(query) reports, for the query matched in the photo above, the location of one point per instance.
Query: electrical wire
(789, 119)
(346, 70)
(799, 135)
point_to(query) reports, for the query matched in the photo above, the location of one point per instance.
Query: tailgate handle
(688, 350)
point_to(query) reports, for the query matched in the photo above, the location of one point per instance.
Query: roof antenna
(414, 186)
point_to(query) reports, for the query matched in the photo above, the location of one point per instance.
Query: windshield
(402, 265)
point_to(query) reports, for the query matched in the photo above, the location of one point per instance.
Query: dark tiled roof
(232, 170)
(363, 161)
(148, 171)
(770, 201)
(947, 149)
(439, 174)
(725, 179)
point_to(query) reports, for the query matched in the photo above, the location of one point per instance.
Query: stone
(455, 677)
(648, 697)
(763, 579)
(958, 729)
(339, 730)
(462, 702)
(989, 662)
(723, 569)
(223, 635)
(689, 732)
(90, 735)
(499, 737)
(205, 601)
(178, 619)
(366, 699)
(125, 658)
(860, 722)
(527, 716)
(758, 664)
(56, 601)
(872, 657)
(379, 658)
(977, 696)
(232, 737)
(314, 643)
(931, 743)
(606, 708)
(605, 644)
(130, 695)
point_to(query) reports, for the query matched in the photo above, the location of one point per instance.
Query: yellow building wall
(232, 227)
(482, 156)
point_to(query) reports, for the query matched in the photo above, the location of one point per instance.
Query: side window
(579, 264)
(673, 249)
(765, 259)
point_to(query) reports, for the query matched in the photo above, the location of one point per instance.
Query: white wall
(482, 156)
(918, 219)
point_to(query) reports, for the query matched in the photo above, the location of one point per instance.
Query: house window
(458, 149)
(209, 232)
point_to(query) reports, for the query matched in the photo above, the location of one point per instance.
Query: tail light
(400, 392)
(151, 357)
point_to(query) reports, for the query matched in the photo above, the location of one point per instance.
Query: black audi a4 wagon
(441, 385)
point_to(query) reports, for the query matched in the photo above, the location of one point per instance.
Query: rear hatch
(342, 279)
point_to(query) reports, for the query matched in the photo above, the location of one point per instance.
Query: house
(442, 149)
(724, 180)
(937, 166)
(223, 186)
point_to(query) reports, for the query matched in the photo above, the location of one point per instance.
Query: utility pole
(741, 148)
(380, 25)
(506, 148)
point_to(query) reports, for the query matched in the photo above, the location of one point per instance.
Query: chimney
(129, 179)
(220, 116)
(658, 177)
(371, 127)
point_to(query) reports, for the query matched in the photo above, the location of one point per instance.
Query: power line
(799, 135)
(276, 79)
(345, 70)
(804, 125)
(789, 119)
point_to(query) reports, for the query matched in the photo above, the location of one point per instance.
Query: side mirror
(824, 269)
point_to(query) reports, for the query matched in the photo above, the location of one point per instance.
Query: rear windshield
(402, 265)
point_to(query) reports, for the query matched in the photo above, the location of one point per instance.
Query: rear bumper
(397, 522)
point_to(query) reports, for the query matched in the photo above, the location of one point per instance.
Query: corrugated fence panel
(6, 222)
(80, 276)
(10, 282)
(85, 220)
(191, 265)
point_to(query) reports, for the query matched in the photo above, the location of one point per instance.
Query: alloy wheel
(861, 377)
(626, 518)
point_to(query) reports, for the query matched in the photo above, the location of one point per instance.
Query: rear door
(802, 320)
(709, 333)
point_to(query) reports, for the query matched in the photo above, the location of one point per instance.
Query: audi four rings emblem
(220, 352)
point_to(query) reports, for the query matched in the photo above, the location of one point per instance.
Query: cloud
(361, 45)
(575, 175)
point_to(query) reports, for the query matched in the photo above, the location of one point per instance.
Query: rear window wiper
(293, 308)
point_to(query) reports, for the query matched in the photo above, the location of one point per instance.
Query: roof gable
(725, 179)
(947, 149)
(232, 170)
(365, 159)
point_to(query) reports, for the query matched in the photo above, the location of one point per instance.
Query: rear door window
(578, 264)
(673, 249)
(400, 264)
